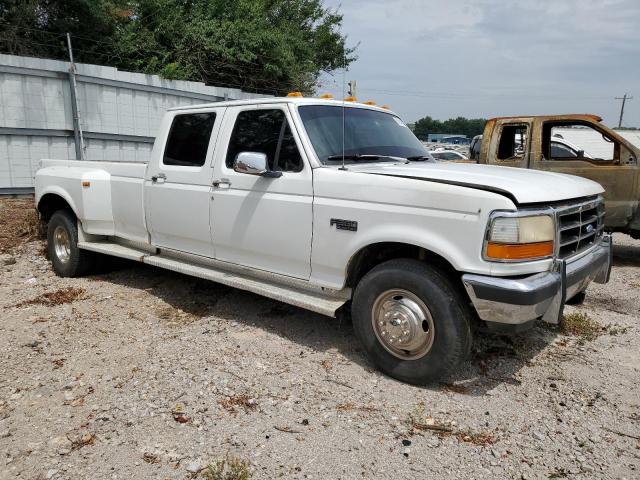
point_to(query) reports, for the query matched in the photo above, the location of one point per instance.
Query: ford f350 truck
(330, 205)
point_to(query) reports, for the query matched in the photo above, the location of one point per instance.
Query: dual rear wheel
(62, 245)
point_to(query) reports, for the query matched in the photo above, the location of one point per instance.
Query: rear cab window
(188, 139)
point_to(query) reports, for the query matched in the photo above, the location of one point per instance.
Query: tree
(38, 27)
(265, 46)
(460, 125)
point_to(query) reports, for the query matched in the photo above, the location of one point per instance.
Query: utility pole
(352, 88)
(624, 99)
(77, 128)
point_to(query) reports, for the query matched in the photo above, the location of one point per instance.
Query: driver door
(257, 221)
(583, 150)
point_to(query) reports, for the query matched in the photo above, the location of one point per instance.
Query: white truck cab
(336, 206)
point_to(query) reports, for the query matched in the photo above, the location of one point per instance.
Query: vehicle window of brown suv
(513, 140)
(577, 141)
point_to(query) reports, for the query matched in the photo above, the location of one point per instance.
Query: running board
(314, 301)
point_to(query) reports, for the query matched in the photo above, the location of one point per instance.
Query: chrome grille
(580, 226)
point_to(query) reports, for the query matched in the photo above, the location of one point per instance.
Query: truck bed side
(107, 197)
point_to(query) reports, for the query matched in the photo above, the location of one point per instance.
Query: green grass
(228, 468)
(581, 325)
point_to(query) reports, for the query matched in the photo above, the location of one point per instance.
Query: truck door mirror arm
(254, 163)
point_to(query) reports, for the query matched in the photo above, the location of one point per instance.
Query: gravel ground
(143, 373)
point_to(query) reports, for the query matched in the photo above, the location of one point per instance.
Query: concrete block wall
(36, 116)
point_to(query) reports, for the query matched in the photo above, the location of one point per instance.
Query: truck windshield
(369, 135)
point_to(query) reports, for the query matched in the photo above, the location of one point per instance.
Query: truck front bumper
(516, 301)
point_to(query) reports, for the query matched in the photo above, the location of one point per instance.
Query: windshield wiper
(419, 158)
(355, 156)
(358, 156)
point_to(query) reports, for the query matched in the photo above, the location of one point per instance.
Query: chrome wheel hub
(403, 324)
(61, 244)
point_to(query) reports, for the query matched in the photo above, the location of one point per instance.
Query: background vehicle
(474, 147)
(318, 204)
(448, 155)
(612, 161)
(560, 148)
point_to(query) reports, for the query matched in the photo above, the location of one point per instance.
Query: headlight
(519, 237)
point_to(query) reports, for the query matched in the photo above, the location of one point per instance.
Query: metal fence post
(77, 128)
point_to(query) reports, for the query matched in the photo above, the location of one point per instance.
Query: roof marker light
(350, 99)
(369, 102)
(294, 94)
(386, 107)
(326, 96)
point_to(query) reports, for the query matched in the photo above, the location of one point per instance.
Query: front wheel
(412, 322)
(62, 243)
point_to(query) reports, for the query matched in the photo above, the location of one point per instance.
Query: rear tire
(62, 245)
(413, 323)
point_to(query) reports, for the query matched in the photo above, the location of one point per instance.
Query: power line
(467, 96)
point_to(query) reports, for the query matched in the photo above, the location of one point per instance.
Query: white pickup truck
(335, 206)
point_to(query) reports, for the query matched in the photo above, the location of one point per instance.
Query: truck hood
(521, 185)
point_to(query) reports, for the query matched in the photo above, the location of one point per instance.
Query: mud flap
(555, 312)
(605, 273)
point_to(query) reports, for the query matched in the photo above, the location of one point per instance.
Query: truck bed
(107, 196)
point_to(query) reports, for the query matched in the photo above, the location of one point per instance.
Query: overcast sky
(483, 58)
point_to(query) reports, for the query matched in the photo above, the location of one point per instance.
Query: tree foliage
(267, 46)
(464, 126)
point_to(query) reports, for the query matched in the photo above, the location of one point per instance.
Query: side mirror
(580, 153)
(251, 163)
(254, 163)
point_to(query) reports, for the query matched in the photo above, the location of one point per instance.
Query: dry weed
(57, 297)
(20, 223)
(244, 401)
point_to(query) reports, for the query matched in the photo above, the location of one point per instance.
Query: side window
(513, 140)
(578, 141)
(268, 132)
(189, 139)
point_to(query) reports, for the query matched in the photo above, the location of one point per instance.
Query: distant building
(448, 138)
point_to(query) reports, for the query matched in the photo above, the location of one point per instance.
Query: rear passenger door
(262, 222)
(178, 183)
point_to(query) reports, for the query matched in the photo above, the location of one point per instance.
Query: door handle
(160, 178)
(222, 182)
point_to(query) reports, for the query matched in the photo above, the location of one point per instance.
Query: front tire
(62, 245)
(578, 298)
(412, 322)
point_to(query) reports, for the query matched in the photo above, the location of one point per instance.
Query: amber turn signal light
(519, 251)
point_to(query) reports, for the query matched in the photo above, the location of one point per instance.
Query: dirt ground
(143, 373)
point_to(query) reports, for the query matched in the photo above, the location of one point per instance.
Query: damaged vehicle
(575, 144)
(337, 207)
